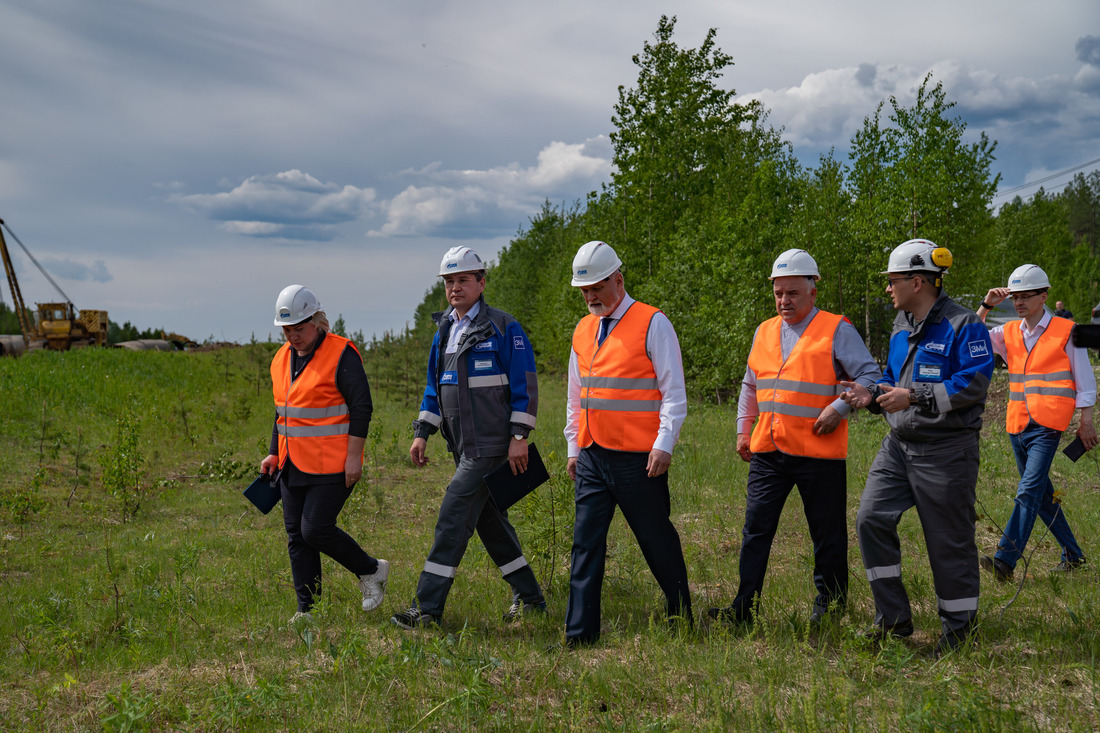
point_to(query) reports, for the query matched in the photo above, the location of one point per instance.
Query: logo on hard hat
(451, 264)
(781, 265)
(582, 272)
(1017, 281)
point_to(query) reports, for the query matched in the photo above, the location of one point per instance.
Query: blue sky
(179, 163)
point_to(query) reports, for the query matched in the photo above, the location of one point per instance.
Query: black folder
(1074, 450)
(506, 489)
(263, 493)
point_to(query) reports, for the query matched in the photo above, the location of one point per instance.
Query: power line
(1044, 179)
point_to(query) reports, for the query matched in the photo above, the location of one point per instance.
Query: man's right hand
(419, 452)
(743, 449)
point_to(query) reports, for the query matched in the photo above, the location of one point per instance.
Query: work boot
(880, 632)
(413, 618)
(1002, 573)
(730, 615)
(519, 609)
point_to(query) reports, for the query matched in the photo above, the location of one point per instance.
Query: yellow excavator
(57, 326)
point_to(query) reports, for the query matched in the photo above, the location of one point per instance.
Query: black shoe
(1068, 566)
(519, 609)
(879, 632)
(730, 615)
(576, 642)
(821, 613)
(1002, 573)
(949, 642)
(413, 618)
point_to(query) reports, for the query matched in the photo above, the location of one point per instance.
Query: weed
(122, 463)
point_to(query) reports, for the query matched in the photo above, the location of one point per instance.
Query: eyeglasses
(892, 283)
(1020, 297)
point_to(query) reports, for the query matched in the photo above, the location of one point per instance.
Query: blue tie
(605, 326)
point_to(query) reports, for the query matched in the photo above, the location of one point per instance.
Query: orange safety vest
(313, 417)
(791, 394)
(620, 402)
(1041, 386)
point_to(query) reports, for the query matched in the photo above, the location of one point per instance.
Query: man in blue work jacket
(482, 394)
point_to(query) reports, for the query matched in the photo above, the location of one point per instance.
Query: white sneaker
(373, 586)
(300, 618)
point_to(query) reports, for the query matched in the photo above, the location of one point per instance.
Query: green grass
(173, 616)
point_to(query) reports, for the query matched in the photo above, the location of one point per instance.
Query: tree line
(705, 194)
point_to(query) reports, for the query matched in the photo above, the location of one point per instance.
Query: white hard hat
(295, 304)
(1027, 277)
(595, 261)
(460, 259)
(919, 255)
(794, 262)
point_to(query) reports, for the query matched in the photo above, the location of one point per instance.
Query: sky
(177, 164)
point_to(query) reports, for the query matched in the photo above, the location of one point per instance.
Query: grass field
(142, 592)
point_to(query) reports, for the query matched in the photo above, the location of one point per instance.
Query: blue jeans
(1035, 447)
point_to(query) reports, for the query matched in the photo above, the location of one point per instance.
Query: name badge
(483, 363)
(929, 372)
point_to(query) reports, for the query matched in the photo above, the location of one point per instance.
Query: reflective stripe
(523, 418)
(820, 390)
(1048, 377)
(782, 408)
(312, 413)
(511, 567)
(589, 403)
(492, 380)
(312, 431)
(618, 383)
(882, 572)
(1051, 391)
(431, 418)
(444, 571)
(959, 604)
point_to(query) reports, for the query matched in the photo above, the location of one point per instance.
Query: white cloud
(490, 202)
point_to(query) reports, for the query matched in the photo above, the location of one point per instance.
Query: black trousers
(606, 479)
(309, 513)
(823, 484)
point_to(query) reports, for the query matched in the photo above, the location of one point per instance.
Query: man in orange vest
(625, 407)
(1049, 378)
(323, 410)
(791, 392)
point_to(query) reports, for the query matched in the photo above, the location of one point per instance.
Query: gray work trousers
(466, 508)
(940, 482)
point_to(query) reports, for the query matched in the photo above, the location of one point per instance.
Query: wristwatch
(912, 397)
(517, 436)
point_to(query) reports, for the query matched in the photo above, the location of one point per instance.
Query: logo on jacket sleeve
(978, 348)
(517, 342)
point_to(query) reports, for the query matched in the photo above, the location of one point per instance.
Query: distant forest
(705, 194)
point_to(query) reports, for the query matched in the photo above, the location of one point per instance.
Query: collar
(804, 322)
(1039, 327)
(620, 309)
(471, 314)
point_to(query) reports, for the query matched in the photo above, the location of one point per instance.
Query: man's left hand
(659, 461)
(517, 455)
(827, 421)
(1087, 434)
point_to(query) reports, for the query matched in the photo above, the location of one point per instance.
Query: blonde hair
(320, 320)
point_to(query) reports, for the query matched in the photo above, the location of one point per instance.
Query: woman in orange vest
(323, 409)
(1049, 378)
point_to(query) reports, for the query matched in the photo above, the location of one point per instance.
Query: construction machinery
(57, 326)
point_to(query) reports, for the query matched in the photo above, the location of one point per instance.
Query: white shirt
(459, 326)
(1084, 381)
(663, 350)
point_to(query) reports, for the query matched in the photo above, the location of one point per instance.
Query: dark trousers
(606, 479)
(822, 484)
(309, 513)
(467, 508)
